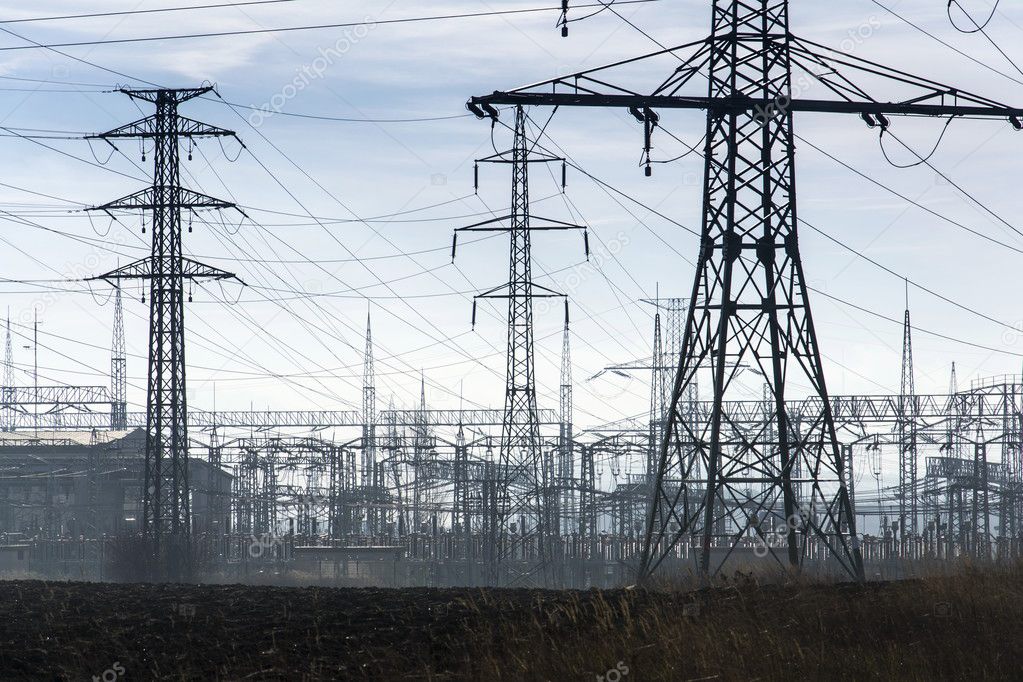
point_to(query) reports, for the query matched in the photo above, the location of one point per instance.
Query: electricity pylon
(566, 479)
(749, 304)
(369, 411)
(118, 369)
(8, 387)
(908, 479)
(525, 482)
(166, 518)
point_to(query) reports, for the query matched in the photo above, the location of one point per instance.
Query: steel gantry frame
(749, 300)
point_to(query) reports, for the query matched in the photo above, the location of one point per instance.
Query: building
(70, 484)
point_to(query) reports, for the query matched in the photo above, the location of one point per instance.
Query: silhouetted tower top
(369, 407)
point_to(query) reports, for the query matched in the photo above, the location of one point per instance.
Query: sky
(386, 171)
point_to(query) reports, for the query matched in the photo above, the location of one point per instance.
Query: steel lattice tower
(908, 479)
(118, 370)
(420, 456)
(667, 346)
(526, 494)
(749, 305)
(565, 477)
(750, 302)
(658, 391)
(521, 460)
(166, 520)
(8, 387)
(369, 411)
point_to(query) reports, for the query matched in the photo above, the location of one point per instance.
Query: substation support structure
(166, 520)
(749, 301)
(278, 493)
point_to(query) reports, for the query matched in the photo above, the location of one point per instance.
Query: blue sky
(293, 338)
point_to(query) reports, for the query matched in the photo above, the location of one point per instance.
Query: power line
(861, 255)
(977, 28)
(315, 27)
(472, 358)
(946, 44)
(939, 335)
(909, 200)
(342, 119)
(159, 10)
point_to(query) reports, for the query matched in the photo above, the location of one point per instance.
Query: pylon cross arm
(149, 198)
(144, 269)
(149, 127)
(832, 69)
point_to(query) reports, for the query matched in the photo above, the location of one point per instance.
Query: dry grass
(963, 626)
(959, 627)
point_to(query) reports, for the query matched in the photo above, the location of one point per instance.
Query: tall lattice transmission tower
(8, 387)
(166, 513)
(369, 410)
(908, 411)
(566, 459)
(525, 491)
(118, 369)
(749, 308)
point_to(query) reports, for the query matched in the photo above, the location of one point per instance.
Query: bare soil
(963, 627)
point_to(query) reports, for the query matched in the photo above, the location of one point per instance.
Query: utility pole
(908, 529)
(166, 519)
(118, 370)
(525, 470)
(749, 298)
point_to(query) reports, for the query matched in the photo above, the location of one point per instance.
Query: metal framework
(166, 516)
(908, 455)
(118, 370)
(565, 450)
(435, 504)
(8, 387)
(369, 410)
(749, 301)
(525, 494)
